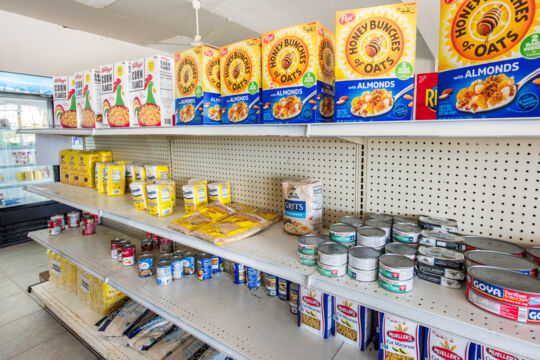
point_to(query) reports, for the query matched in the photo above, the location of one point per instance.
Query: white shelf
(81, 319)
(56, 131)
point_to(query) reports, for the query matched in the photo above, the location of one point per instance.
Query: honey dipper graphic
(489, 21)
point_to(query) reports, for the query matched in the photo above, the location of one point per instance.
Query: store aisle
(27, 331)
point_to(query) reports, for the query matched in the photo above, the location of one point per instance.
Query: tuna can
(88, 225)
(380, 217)
(362, 275)
(73, 219)
(401, 249)
(189, 263)
(164, 273)
(177, 266)
(165, 245)
(120, 245)
(128, 255)
(502, 260)
(271, 284)
(253, 278)
(204, 266)
(309, 244)
(217, 264)
(442, 239)
(397, 286)
(487, 243)
(352, 220)
(310, 260)
(115, 247)
(293, 298)
(436, 223)
(344, 234)
(533, 253)
(383, 225)
(331, 270)
(396, 267)
(178, 253)
(371, 237)
(440, 280)
(165, 257)
(406, 233)
(283, 289)
(399, 219)
(239, 274)
(439, 271)
(440, 257)
(363, 258)
(146, 244)
(54, 227)
(146, 265)
(332, 254)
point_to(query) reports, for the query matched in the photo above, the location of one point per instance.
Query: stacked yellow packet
(207, 214)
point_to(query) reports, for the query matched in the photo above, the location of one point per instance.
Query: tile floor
(26, 330)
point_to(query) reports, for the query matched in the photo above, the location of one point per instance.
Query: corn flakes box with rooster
(489, 59)
(88, 98)
(197, 86)
(65, 106)
(353, 322)
(241, 82)
(440, 345)
(375, 63)
(315, 311)
(115, 82)
(298, 75)
(400, 338)
(152, 92)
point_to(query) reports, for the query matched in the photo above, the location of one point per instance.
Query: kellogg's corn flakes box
(88, 98)
(241, 82)
(298, 75)
(65, 106)
(489, 59)
(152, 92)
(197, 86)
(115, 82)
(375, 63)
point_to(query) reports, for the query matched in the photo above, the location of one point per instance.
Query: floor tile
(17, 306)
(22, 262)
(63, 346)
(9, 288)
(31, 277)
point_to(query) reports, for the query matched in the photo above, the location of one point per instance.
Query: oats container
(363, 258)
(406, 233)
(398, 248)
(372, 237)
(396, 267)
(344, 234)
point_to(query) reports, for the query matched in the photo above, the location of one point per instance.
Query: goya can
(502, 260)
(204, 266)
(128, 255)
(239, 274)
(533, 253)
(283, 289)
(371, 237)
(293, 298)
(217, 264)
(363, 258)
(189, 263)
(380, 217)
(177, 266)
(332, 254)
(271, 284)
(437, 223)
(487, 243)
(73, 219)
(400, 219)
(400, 249)
(362, 275)
(441, 257)
(164, 273)
(253, 278)
(352, 220)
(442, 239)
(88, 225)
(146, 265)
(344, 234)
(397, 286)
(54, 227)
(406, 233)
(383, 225)
(396, 267)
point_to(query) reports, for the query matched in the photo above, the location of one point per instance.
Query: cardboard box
(115, 94)
(88, 97)
(426, 96)
(65, 106)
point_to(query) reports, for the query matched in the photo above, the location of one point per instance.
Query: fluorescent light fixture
(98, 4)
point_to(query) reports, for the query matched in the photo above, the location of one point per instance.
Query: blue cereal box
(489, 59)
(197, 86)
(298, 75)
(375, 63)
(241, 82)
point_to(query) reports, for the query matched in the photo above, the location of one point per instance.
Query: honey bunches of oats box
(197, 86)
(88, 98)
(241, 82)
(65, 106)
(298, 75)
(115, 94)
(489, 59)
(375, 63)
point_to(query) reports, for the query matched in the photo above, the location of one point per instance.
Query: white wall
(36, 47)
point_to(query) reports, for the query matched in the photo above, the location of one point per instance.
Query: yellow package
(105, 155)
(110, 300)
(195, 195)
(73, 169)
(87, 168)
(84, 281)
(197, 181)
(116, 179)
(69, 276)
(172, 187)
(130, 174)
(155, 172)
(138, 194)
(64, 165)
(267, 215)
(233, 228)
(140, 173)
(206, 214)
(55, 269)
(241, 208)
(159, 200)
(219, 192)
(124, 162)
(101, 176)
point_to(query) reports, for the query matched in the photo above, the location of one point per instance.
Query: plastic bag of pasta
(167, 344)
(207, 214)
(150, 333)
(129, 314)
(270, 216)
(233, 228)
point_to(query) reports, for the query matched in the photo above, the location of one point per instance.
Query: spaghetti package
(55, 269)
(138, 194)
(233, 228)
(241, 208)
(353, 322)
(116, 179)
(400, 338)
(315, 311)
(195, 196)
(207, 214)
(109, 299)
(159, 201)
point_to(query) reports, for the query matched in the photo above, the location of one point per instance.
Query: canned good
(440, 280)
(371, 237)
(164, 273)
(128, 255)
(363, 258)
(146, 265)
(96, 217)
(115, 247)
(383, 225)
(331, 270)
(120, 245)
(380, 217)
(352, 220)
(398, 286)
(396, 267)
(73, 219)
(165, 257)
(406, 233)
(293, 298)
(177, 267)
(437, 223)
(331, 253)
(401, 249)
(362, 275)
(146, 244)
(271, 284)
(253, 278)
(502, 260)
(54, 227)
(217, 264)
(239, 274)
(399, 219)
(487, 243)
(533, 253)
(165, 246)
(283, 289)
(62, 221)
(309, 244)
(440, 257)
(189, 263)
(178, 253)
(310, 260)
(204, 266)
(343, 233)
(155, 241)
(442, 239)
(439, 271)
(88, 225)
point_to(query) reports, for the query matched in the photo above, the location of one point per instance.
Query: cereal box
(440, 345)
(88, 98)
(315, 311)
(375, 63)
(353, 322)
(115, 83)
(489, 59)
(152, 92)
(241, 82)
(426, 96)
(399, 338)
(197, 86)
(298, 75)
(65, 107)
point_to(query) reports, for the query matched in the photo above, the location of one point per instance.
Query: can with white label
(371, 237)
(396, 267)
(344, 234)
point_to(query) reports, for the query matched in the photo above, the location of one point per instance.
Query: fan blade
(212, 36)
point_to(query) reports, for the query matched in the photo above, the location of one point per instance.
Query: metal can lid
(164, 264)
(442, 235)
(396, 261)
(313, 239)
(176, 258)
(437, 221)
(405, 220)
(533, 251)
(145, 256)
(399, 248)
(88, 217)
(188, 254)
(379, 224)
(505, 278)
(352, 220)
(124, 242)
(364, 252)
(178, 252)
(371, 232)
(441, 253)
(503, 260)
(204, 256)
(340, 227)
(165, 256)
(380, 217)
(128, 246)
(332, 248)
(408, 228)
(487, 243)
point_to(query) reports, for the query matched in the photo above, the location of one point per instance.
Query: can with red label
(61, 219)
(533, 253)
(487, 243)
(165, 246)
(155, 241)
(54, 227)
(116, 247)
(88, 225)
(73, 219)
(128, 255)
(96, 217)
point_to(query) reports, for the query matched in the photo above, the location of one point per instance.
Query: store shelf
(17, 166)
(23, 183)
(80, 319)
(56, 131)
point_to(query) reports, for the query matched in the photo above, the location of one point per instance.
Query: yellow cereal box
(197, 86)
(116, 179)
(65, 106)
(87, 168)
(298, 74)
(489, 59)
(115, 94)
(64, 165)
(375, 63)
(88, 98)
(159, 200)
(241, 82)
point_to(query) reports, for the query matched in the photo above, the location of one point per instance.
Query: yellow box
(73, 167)
(159, 200)
(116, 179)
(101, 177)
(87, 169)
(219, 192)
(195, 195)
(64, 165)
(105, 155)
(298, 74)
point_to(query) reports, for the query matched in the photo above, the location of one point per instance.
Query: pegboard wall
(140, 149)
